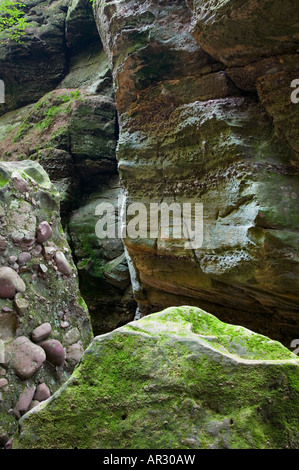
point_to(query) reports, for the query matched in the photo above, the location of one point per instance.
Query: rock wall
(205, 115)
(44, 322)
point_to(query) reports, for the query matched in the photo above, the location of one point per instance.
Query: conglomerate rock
(178, 379)
(40, 304)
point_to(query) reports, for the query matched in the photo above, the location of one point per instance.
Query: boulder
(179, 378)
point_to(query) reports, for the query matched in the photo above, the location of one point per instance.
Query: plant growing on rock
(12, 21)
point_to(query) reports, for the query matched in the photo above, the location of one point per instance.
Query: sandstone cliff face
(208, 118)
(72, 132)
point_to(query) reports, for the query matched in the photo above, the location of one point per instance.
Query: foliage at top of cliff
(12, 21)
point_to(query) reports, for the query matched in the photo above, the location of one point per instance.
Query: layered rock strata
(212, 125)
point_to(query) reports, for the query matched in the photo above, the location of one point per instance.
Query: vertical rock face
(204, 124)
(40, 303)
(36, 65)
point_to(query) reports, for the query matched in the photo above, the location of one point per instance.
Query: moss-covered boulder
(179, 378)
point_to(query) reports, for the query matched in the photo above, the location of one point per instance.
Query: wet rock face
(175, 379)
(201, 124)
(33, 326)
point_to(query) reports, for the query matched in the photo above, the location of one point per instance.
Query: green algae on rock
(179, 378)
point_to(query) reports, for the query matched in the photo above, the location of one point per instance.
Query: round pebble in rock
(23, 258)
(74, 352)
(19, 182)
(10, 283)
(24, 356)
(25, 399)
(12, 259)
(43, 232)
(63, 264)
(41, 332)
(54, 350)
(42, 392)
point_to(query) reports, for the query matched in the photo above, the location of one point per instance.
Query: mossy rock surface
(179, 378)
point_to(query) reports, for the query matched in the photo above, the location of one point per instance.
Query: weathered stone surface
(72, 133)
(41, 332)
(42, 392)
(237, 33)
(188, 134)
(25, 399)
(175, 379)
(10, 283)
(43, 232)
(35, 66)
(102, 267)
(24, 357)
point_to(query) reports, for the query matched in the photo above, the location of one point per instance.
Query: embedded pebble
(24, 258)
(33, 404)
(43, 268)
(25, 399)
(24, 356)
(62, 263)
(19, 182)
(10, 283)
(74, 352)
(41, 332)
(21, 303)
(72, 336)
(43, 232)
(49, 252)
(42, 392)
(37, 250)
(3, 382)
(54, 350)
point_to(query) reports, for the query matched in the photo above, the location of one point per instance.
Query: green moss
(156, 384)
(44, 112)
